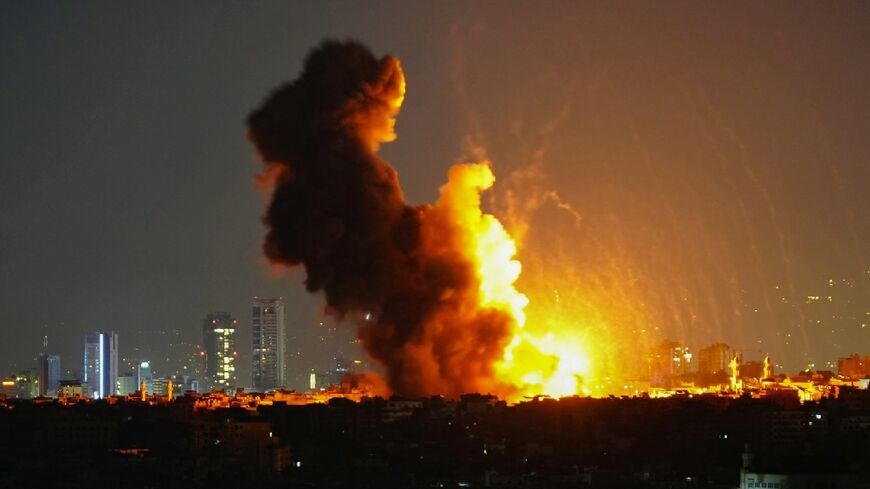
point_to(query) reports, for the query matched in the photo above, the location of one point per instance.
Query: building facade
(668, 359)
(145, 375)
(714, 358)
(101, 364)
(853, 366)
(126, 384)
(219, 350)
(49, 375)
(267, 321)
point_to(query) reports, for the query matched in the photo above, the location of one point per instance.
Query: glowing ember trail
(436, 284)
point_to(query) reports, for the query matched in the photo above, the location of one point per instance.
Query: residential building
(714, 358)
(267, 366)
(219, 350)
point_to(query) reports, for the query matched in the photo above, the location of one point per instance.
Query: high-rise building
(49, 374)
(144, 374)
(219, 350)
(267, 369)
(101, 363)
(714, 358)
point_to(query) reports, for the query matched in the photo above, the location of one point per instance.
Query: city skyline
(714, 173)
(191, 359)
(666, 363)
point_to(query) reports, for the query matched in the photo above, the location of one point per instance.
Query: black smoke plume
(338, 210)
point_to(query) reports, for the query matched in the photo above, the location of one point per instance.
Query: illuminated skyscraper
(219, 343)
(101, 363)
(267, 369)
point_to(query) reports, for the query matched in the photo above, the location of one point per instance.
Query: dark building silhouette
(49, 374)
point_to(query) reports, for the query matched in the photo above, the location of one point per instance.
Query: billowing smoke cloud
(338, 210)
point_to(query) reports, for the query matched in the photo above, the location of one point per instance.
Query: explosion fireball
(432, 288)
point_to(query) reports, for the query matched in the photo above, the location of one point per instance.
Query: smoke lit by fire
(433, 288)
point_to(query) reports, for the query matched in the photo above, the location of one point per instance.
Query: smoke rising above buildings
(337, 210)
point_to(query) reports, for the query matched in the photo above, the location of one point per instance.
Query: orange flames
(440, 281)
(574, 332)
(545, 359)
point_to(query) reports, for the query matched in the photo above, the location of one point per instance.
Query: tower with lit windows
(101, 363)
(267, 327)
(219, 349)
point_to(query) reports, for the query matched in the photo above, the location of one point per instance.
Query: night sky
(711, 161)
